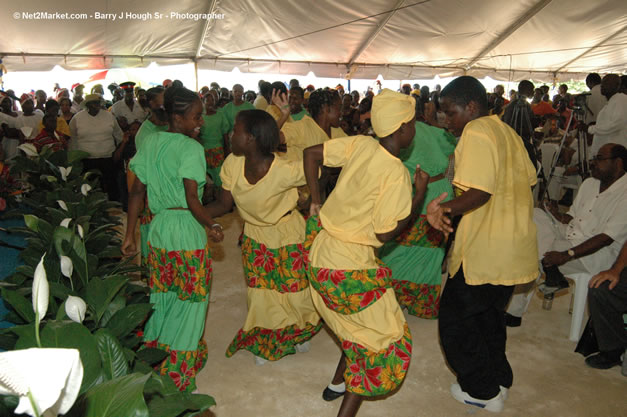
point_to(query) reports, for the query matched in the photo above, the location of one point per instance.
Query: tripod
(582, 151)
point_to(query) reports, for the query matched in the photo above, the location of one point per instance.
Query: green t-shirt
(230, 110)
(146, 129)
(213, 130)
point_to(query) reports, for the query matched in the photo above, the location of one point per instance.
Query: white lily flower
(29, 149)
(41, 290)
(75, 308)
(50, 377)
(67, 267)
(85, 188)
(65, 172)
(62, 204)
(65, 222)
(80, 230)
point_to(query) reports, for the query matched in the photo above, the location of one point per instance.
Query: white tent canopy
(402, 39)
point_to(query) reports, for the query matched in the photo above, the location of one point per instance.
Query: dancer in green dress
(416, 256)
(170, 169)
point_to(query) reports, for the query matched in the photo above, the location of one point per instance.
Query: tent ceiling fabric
(421, 39)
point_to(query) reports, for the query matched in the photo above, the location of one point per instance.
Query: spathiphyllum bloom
(85, 188)
(66, 266)
(80, 230)
(62, 204)
(75, 308)
(29, 149)
(50, 379)
(65, 172)
(65, 222)
(41, 290)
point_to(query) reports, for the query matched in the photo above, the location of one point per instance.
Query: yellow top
(496, 243)
(264, 206)
(275, 112)
(372, 194)
(62, 126)
(304, 133)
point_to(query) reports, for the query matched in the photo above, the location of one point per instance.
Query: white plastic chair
(579, 304)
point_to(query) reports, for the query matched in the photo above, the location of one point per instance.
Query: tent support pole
(196, 73)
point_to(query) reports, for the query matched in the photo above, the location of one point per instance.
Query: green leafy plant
(91, 303)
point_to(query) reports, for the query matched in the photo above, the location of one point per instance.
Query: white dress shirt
(595, 213)
(611, 124)
(596, 101)
(121, 109)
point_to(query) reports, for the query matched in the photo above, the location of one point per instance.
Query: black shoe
(329, 395)
(604, 360)
(512, 321)
(554, 278)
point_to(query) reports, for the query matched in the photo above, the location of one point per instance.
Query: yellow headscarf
(390, 110)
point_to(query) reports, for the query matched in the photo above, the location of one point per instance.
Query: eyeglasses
(597, 158)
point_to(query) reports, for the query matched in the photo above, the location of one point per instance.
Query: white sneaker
(303, 347)
(504, 392)
(494, 405)
(260, 361)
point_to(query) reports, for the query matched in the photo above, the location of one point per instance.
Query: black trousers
(473, 335)
(606, 309)
(107, 177)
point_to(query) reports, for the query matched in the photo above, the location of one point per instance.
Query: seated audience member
(539, 106)
(588, 238)
(607, 299)
(611, 123)
(50, 134)
(563, 96)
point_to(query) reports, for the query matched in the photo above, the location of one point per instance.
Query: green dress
(146, 129)
(416, 256)
(230, 110)
(179, 259)
(211, 136)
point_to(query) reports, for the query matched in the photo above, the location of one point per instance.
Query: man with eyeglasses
(589, 237)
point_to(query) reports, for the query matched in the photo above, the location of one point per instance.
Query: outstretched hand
(436, 215)
(279, 99)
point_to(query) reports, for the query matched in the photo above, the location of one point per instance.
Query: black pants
(107, 177)
(606, 309)
(473, 335)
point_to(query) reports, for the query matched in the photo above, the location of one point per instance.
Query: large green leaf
(120, 397)
(100, 292)
(127, 319)
(179, 403)
(68, 334)
(152, 356)
(117, 304)
(22, 305)
(114, 363)
(75, 156)
(32, 222)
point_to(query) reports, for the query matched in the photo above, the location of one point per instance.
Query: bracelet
(218, 225)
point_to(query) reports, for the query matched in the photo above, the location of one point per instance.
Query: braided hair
(178, 100)
(262, 127)
(320, 98)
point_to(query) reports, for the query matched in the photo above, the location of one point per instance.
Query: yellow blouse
(372, 194)
(268, 207)
(303, 134)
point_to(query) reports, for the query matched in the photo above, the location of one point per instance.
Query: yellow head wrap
(390, 110)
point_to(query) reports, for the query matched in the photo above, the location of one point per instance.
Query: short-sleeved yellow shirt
(496, 243)
(264, 206)
(274, 111)
(304, 133)
(372, 194)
